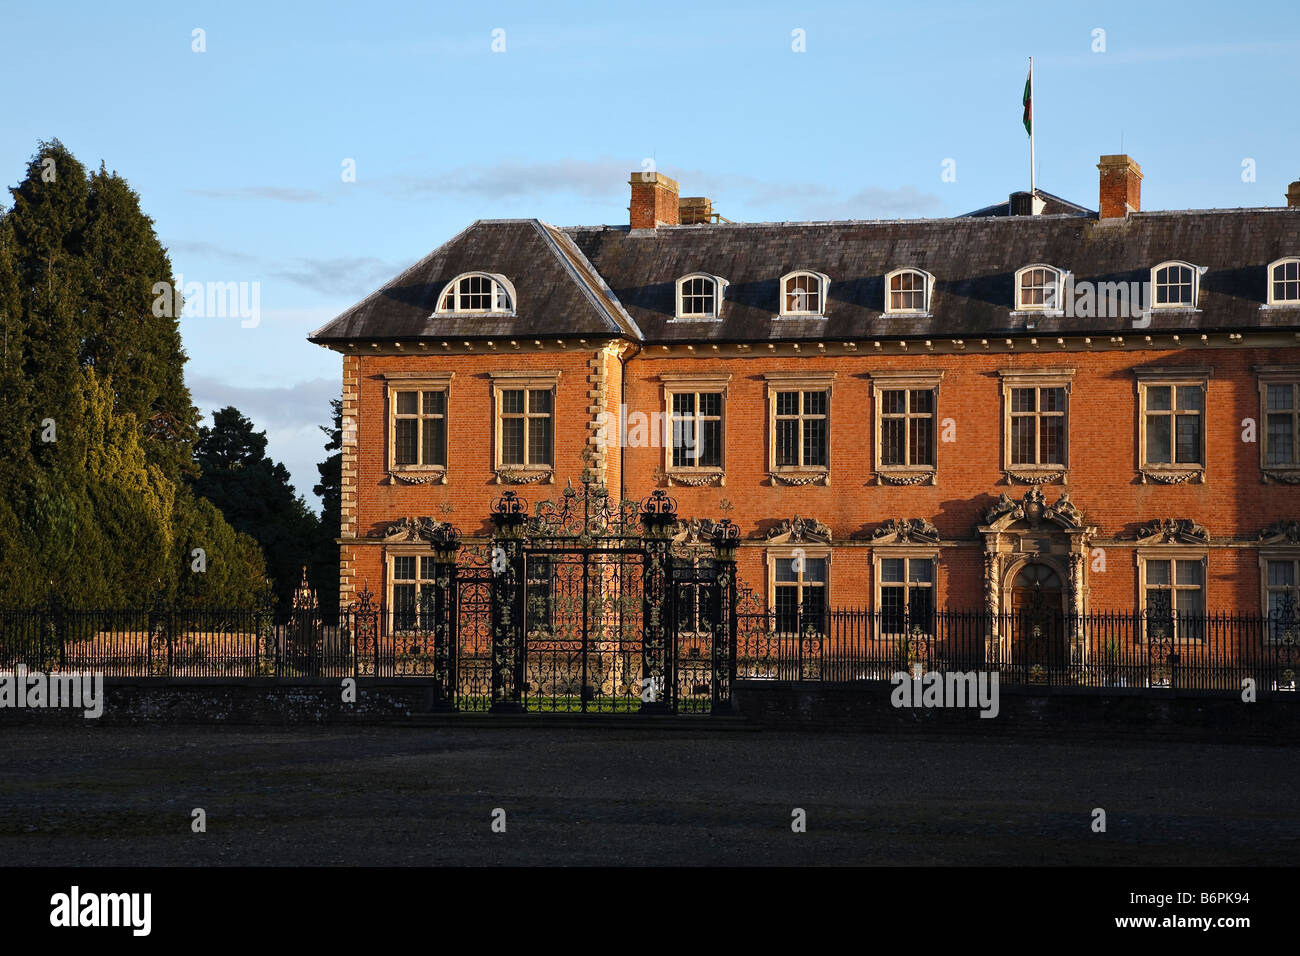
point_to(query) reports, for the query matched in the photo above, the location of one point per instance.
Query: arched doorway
(1037, 617)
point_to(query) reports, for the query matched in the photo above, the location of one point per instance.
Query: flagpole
(1033, 116)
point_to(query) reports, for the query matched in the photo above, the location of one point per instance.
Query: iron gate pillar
(446, 543)
(658, 687)
(726, 539)
(509, 517)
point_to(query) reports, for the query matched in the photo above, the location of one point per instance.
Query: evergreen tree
(325, 570)
(96, 424)
(256, 496)
(125, 340)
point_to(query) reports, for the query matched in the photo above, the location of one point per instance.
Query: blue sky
(238, 151)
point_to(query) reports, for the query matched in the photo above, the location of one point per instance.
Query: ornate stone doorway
(1035, 579)
(1037, 609)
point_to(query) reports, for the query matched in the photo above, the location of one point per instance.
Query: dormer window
(804, 293)
(907, 292)
(1284, 282)
(699, 296)
(478, 292)
(1174, 285)
(1038, 288)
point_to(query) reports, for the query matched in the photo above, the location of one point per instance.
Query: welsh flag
(1029, 105)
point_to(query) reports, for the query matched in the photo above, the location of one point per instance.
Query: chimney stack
(654, 201)
(1293, 195)
(1121, 187)
(695, 210)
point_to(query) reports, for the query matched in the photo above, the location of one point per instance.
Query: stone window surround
(412, 381)
(797, 381)
(1172, 552)
(884, 380)
(1012, 378)
(512, 379)
(693, 382)
(1174, 473)
(1274, 375)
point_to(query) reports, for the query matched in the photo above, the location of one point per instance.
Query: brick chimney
(654, 201)
(695, 210)
(1293, 194)
(1121, 187)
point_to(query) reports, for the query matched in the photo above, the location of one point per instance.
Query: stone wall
(244, 701)
(1056, 712)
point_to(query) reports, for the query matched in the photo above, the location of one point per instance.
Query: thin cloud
(185, 247)
(292, 406)
(605, 180)
(344, 276)
(273, 193)
(290, 415)
(591, 178)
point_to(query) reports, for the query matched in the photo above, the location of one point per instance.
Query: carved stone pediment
(1173, 531)
(905, 531)
(694, 531)
(409, 530)
(799, 530)
(1281, 532)
(1034, 511)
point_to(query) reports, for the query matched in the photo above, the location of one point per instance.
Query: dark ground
(424, 796)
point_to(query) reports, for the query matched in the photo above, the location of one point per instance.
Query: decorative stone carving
(694, 531)
(798, 529)
(1003, 506)
(805, 478)
(1034, 509)
(506, 477)
(1173, 531)
(897, 478)
(409, 529)
(1281, 532)
(1035, 477)
(1286, 477)
(419, 478)
(695, 481)
(1171, 477)
(907, 530)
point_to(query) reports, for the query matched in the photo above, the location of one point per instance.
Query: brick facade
(1098, 518)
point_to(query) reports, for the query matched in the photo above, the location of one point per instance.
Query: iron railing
(1102, 649)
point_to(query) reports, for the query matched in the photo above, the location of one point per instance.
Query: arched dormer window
(1038, 288)
(699, 296)
(907, 292)
(1175, 285)
(1284, 281)
(478, 292)
(804, 293)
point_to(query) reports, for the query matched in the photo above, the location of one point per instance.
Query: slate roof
(973, 261)
(557, 291)
(1053, 205)
(607, 281)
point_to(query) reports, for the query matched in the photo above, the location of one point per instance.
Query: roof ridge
(567, 253)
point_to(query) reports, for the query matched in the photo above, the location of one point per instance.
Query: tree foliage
(325, 566)
(255, 495)
(96, 423)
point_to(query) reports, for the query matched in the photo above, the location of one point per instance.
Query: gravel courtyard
(425, 796)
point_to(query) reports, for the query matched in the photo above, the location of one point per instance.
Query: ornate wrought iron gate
(578, 607)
